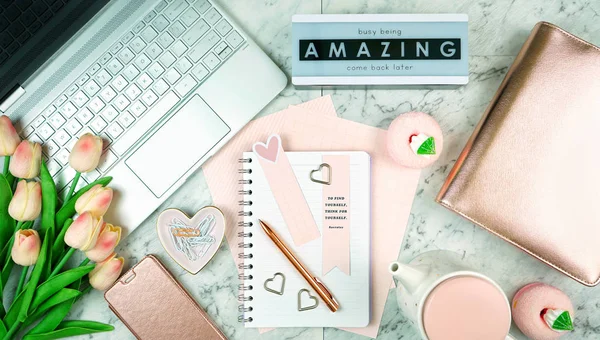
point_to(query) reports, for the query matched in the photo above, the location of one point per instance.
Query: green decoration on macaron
(427, 148)
(558, 319)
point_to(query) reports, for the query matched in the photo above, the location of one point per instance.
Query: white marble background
(497, 29)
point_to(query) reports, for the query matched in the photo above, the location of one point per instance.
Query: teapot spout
(410, 277)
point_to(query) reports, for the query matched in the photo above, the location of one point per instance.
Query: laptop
(165, 83)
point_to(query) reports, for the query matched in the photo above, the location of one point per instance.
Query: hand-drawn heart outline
(321, 181)
(269, 151)
(275, 291)
(302, 309)
(189, 266)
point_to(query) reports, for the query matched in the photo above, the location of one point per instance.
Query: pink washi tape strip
(286, 190)
(336, 214)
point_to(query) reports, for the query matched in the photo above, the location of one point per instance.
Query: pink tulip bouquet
(38, 252)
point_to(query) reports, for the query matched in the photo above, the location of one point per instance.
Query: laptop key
(133, 92)
(38, 121)
(53, 167)
(172, 76)
(185, 85)
(80, 98)
(183, 65)
(225, 53)
(195, 32)
(175, 8)
(151, 117)
(200, 72)
(223, 27)
(119, 83)
(116, 48)
(122, 102)
(137, 109)
(84, 115)
(62, 157)
(103, 77)
(160, 23)
(161, 87)
(61, 137)
(105, 58)
(57, 120)
(234, 39)
(137, 44)
(189, 17)
(68, 110)
(212, 16)
(130, 73)
(98, 124)
(156, 70)
(114, 66)
(108, 94)
(73, 127)
(149, 97)
(167, 59)
(179, 48)
(127, 37)
(115, 130)
(126, 119)
(91, 88)
(61, 100)
(165, 40)
(161, 6)
(96, 105)
(138, 27)
(149, 34)
(72, 89)
(153, 50)
(142, 61)
(202, 6)
(107, 159)
(50, 148)
(149, 16)
(126, 55)
(205, 45)
(177, 29)
(144, 81)
(45, 131)
(110, 113)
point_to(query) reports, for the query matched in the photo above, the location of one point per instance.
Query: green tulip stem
(22, 279)
(6, 164)
(84, 262)
(13, 329)
(62, 262)
(72, 188)
(19, 225)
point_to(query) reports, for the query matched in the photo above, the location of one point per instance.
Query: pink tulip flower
(83, 232)
(108, 239)
(26, 248)
(26, 203)
(85, 155)
(96, 200)
(106, 272)
(26, 160)
(9, 139)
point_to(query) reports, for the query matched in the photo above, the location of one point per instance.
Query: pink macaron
(530, 305)
(404, 129)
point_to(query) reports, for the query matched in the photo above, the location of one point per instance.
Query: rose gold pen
(313, 281)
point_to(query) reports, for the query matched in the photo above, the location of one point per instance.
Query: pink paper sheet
(311, 127)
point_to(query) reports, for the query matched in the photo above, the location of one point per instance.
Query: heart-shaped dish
(191, 242)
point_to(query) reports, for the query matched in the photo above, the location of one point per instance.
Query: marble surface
(497, 29)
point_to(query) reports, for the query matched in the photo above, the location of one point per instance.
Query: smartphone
(153, 305)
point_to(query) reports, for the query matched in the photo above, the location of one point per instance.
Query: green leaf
(58, 282)
(563, 322)
(60, 297)
(68, 210)
(7, 224)
(72, 328)
(48, 199)
(427, 148)
(59, 243)
(48, 264)
(33, 280)
(53, 318)
(3, 329)
(12, 315)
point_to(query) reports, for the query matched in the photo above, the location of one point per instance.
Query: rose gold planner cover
(530, 173)
(153, 305)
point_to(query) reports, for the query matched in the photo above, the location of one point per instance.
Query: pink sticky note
(286, 190)
(336, 214)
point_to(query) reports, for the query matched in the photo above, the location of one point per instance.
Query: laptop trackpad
(177, 146)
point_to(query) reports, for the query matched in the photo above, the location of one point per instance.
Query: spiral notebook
(274, 293)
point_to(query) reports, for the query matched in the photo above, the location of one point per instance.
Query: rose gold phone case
(530, 173)
(153, 305)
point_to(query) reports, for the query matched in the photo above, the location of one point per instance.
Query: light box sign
(380, 49)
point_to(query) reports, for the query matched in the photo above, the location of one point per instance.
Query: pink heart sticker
(269, 151)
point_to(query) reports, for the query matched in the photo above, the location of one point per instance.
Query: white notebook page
(352, 292)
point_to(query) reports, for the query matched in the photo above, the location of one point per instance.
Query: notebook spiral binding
(245, 236)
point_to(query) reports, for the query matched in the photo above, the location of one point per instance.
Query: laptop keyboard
(174, 48)
(19, 20)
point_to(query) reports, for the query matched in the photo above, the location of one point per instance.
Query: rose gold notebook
(530, 173)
